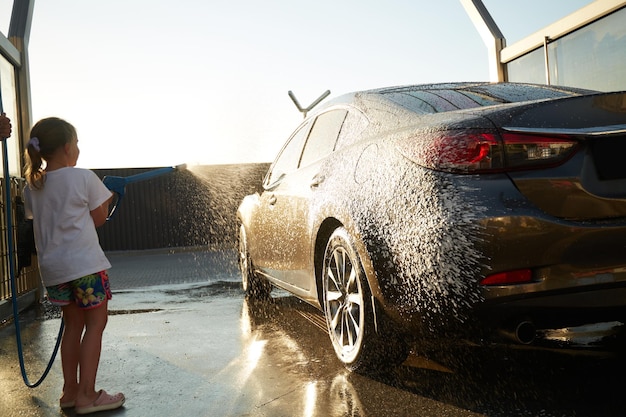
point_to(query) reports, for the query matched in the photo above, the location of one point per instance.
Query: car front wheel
(348, 309)
(252, 284)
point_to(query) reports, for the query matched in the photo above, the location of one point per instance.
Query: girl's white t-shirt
(65, 234)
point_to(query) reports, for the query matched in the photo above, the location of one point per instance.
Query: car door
(302, 186)
(287, 251)
(269, 247)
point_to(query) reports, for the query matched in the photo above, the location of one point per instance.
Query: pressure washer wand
(118, 184)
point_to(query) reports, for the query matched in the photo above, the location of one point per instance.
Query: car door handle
(272, 200)
(317, 180)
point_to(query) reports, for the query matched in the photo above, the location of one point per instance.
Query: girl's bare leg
(70, 350)
(89, 358)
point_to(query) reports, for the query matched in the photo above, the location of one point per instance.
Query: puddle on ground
(208, 290)
(139, 311)
(158, 296)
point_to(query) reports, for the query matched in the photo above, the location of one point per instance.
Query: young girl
(67, 204)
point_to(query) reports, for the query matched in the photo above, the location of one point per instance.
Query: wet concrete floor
(183, 341)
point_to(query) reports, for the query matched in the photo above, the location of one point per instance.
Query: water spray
(118, 184)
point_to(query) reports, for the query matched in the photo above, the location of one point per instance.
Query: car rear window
(515, 93)
(433, 100)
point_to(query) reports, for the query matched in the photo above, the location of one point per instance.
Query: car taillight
(454, 151)
(528, 151)
(520, 276)
(474, 153)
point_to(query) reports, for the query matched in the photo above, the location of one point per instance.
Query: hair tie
(34, 142)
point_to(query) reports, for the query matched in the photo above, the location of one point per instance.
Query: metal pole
(304, 111)
(546, 40)
(492, 37)
(19, 36)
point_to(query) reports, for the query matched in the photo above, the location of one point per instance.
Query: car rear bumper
(578, 277)
(566, 307)
(578, 271)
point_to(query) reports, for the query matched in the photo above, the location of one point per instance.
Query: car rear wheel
(252, 284)
(349, 312)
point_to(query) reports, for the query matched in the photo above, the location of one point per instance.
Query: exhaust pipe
(523, 332)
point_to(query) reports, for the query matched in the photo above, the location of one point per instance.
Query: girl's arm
(5, 126)
(100, 214)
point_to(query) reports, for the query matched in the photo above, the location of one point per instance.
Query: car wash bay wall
(184, 208)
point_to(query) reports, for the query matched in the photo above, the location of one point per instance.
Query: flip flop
(67, 404)
(102, 403)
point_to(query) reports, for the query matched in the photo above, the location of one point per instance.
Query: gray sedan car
(474, 209)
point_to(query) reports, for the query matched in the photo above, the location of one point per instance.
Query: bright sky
(155, 83)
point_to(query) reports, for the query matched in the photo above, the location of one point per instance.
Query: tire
(347, 304)
(253, 285)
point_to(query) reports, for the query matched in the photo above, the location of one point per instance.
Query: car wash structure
(585, 49)
(15, 96)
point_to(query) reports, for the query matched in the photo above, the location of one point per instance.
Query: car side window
(323, 137)
(288, 159)
(352, 129)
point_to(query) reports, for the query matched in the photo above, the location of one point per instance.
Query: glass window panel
(411, 102)
(458, 99)
(9, 104)
(287, 160)
(352, 129)
(529, 68)
(501, 93)
(323, 136)
(592, 57)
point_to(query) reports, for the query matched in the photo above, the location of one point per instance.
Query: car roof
(484, 85)
(488, 93)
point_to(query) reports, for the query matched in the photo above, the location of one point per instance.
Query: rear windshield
(436, 100)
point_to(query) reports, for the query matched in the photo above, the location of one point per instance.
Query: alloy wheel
(253, 285)
(244, 259)
(344, 299)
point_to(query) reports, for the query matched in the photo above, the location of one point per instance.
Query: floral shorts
(87, 292)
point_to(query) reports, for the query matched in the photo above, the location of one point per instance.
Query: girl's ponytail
(34, 162)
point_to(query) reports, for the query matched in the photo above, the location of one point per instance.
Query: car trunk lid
(591, 185)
